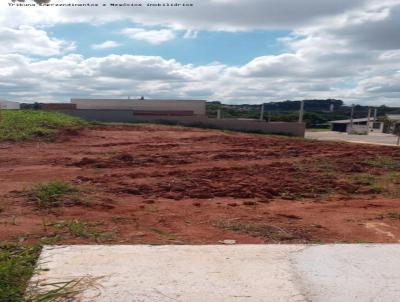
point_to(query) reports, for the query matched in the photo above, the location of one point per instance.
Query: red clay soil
(160, 184)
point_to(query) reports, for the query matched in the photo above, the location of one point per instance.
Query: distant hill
(311, 105)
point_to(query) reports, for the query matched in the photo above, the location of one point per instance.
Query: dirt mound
(258, 181)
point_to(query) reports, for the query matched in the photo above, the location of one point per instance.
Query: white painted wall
(357, 129)
(197, 106)
(9, 105)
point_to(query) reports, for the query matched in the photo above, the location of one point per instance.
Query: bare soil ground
(160, 184)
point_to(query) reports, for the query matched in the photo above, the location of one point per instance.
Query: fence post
(369, 120)
(301, 114)
(262, 112)
(351, 118)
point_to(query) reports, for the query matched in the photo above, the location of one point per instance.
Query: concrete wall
(357, 129)
(9, 105)
(197, 106)
(376, 127)
(127, 116)
(117, 116)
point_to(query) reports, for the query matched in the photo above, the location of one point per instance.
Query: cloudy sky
(234, 51)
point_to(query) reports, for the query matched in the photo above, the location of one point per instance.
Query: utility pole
(269, 116)
(262, 112)
(369, 119)
(351, 118)
(301, 111)
(375, 114)
(219, 114)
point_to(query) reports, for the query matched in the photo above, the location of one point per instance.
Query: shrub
(16, 125)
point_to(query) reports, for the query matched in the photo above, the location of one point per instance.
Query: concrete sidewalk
(383, 139)
(228, 273)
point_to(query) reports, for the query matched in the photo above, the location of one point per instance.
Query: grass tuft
(60, 291)
(393, 177)
(365, 179)
(384, 162)
(17, 264)
(80, 229)
(48, 195)
(269, 232)
(386, 184)
(372, 182)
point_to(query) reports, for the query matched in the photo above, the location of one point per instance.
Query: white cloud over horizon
(340, 49)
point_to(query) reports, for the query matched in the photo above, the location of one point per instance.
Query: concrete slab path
(227, 273)
(383, 139)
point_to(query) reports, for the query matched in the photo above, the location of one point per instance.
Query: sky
(233, 51)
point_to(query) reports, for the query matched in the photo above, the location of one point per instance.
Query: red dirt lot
(171, 185)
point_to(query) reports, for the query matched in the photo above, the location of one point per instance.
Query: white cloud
(149, 36)
(59, 79)
(336, 49)
(227, 15)
(114, 75)
(32, 41)
(106, 45)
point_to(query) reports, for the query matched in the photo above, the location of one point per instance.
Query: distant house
(393, 123)
(344, 125)
(393, 117)
(9, 105)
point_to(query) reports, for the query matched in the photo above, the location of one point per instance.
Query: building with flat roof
(392, 123)
(344, 125)
(393, 117)
(145, 106)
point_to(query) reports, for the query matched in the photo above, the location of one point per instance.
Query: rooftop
(356, 120)
(393, 117)
(136, 99)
